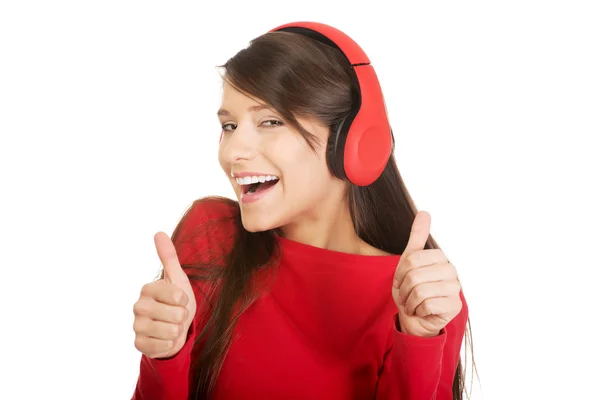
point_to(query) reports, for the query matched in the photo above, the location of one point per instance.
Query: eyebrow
(260, 107)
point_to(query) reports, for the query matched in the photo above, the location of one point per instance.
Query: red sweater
(323, 329)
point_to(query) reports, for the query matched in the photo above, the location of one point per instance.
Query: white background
(109, 132)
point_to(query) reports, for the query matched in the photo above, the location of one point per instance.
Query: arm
(169, 378)
(201, 237)
(418, 368)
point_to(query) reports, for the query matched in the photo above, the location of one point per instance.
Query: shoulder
(207, 230)
(370, 250)
(207, 209)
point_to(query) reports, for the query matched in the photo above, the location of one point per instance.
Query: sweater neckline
(305, 251)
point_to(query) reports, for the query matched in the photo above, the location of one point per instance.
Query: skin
(258, 140)
(255, 139)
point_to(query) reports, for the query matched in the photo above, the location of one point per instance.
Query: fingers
(153, 347)
(168, 257)
(163, 316)
(423, 294)
(419, 233)
(443, 307)
(158, 327)
(436, 272)
(416, 260)
(150, 308)
(166, 293)
(145, 326)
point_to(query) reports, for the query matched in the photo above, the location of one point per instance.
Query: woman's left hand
(426, 289)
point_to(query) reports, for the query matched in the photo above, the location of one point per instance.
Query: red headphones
(365, 135)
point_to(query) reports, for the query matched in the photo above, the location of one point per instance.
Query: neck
(330, 227)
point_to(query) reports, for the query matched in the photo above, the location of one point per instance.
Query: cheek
(303, 168)
(222, 161)
(307, 180)
(292, 153)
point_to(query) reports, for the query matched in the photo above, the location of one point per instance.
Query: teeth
(247, 180)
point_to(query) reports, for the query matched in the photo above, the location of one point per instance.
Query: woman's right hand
(166, 308)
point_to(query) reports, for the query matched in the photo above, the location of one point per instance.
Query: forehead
(236, 102)
(232, 95)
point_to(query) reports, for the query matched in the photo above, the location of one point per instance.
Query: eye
(272, 123)
(225, 127)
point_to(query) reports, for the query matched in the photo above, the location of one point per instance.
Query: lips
(254, 192)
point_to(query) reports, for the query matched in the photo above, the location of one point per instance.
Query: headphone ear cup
(366, 154)
(368, 145)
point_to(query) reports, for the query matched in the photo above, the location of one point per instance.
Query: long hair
(297, 77)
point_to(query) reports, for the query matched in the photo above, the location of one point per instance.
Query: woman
(310, 286)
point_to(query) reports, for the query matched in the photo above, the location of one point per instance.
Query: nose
(239, 145)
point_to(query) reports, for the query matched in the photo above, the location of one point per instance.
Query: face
(277, 177)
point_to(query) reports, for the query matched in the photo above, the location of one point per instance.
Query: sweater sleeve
(417, 368)
(202, 237)
(162, 379)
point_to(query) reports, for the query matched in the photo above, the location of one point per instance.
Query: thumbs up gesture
(166, 308)
(426, 289)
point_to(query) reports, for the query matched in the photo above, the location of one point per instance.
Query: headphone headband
(330, 36)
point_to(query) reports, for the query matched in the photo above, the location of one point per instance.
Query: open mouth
(256, 184)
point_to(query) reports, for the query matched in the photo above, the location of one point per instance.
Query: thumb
(168, 258)
(419, 233)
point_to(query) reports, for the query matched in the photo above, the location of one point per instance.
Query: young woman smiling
(322, 281)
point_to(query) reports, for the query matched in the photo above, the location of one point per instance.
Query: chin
(257, 222)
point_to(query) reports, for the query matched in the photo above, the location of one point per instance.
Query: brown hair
(298, 77)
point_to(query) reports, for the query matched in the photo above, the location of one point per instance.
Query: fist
(166, 308)
(426, 288)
